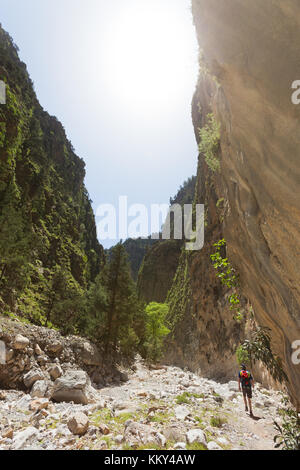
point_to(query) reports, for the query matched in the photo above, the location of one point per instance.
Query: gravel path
(167, 408)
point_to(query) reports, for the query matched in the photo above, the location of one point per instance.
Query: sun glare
(150, 55)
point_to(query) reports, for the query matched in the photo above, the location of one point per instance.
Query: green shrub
(210, 143)
(228, 277)
(156, 330)
(217, 421)
(258, 348)
(289, 431)
(242, 356)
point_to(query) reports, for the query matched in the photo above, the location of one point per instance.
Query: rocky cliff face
(251, 48)
(158, 270)
(204, 335)
(49, 251)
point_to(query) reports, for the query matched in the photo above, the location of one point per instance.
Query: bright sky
(120, 76)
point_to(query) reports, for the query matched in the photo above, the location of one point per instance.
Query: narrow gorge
(138, 346)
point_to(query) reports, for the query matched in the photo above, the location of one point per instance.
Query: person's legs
(250, 405)
(245, 399)
(249, 395)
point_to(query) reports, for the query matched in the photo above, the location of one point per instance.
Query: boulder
(73, 386)
(233, 386)
(196, 435)
(78, 424)
(38, 350)
(8, 433)
(182, 412)
(24, 403)
(32, 376)
(55, 371)
(39, 404)
(20, 342)
(54, 348)
(89, 354)
(104, 429)
(24, 438)
(39, 389)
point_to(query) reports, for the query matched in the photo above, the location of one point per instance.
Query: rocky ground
(165, 408)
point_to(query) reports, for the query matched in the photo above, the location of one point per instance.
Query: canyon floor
(164, 408)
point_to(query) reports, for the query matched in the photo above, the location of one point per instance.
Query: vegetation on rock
(288, 437)
(227, 274)
(49, 253)
(156, 329)
(258, 348)
(210, 143)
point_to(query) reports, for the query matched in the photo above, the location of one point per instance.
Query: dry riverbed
(167, 408)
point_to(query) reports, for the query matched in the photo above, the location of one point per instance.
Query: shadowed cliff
(252, 50)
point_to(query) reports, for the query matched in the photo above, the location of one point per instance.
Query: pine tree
(122, 303)
(113, 315)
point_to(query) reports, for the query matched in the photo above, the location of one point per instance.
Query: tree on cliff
(114, 314)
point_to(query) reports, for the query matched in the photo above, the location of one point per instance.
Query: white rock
(268, 403)
(259, 404)
(20, 342)
(39, 389)
(73, 386)
(24, 403)
(161, 439)
(31, 377)
(213, 446)
(63, 430)
(182, 412)
(223, 441)
(180, 446)
(196, 435)
(230, 396)
(38, 350)
(127, 411)
(233, 386)
(24, 438)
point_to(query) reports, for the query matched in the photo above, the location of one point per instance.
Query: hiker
(247, 382)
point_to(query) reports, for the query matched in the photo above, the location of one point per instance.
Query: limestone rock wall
(252, 48)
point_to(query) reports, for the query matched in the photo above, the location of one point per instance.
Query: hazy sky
(119, 75)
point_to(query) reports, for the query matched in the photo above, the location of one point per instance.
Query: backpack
(245, 378)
